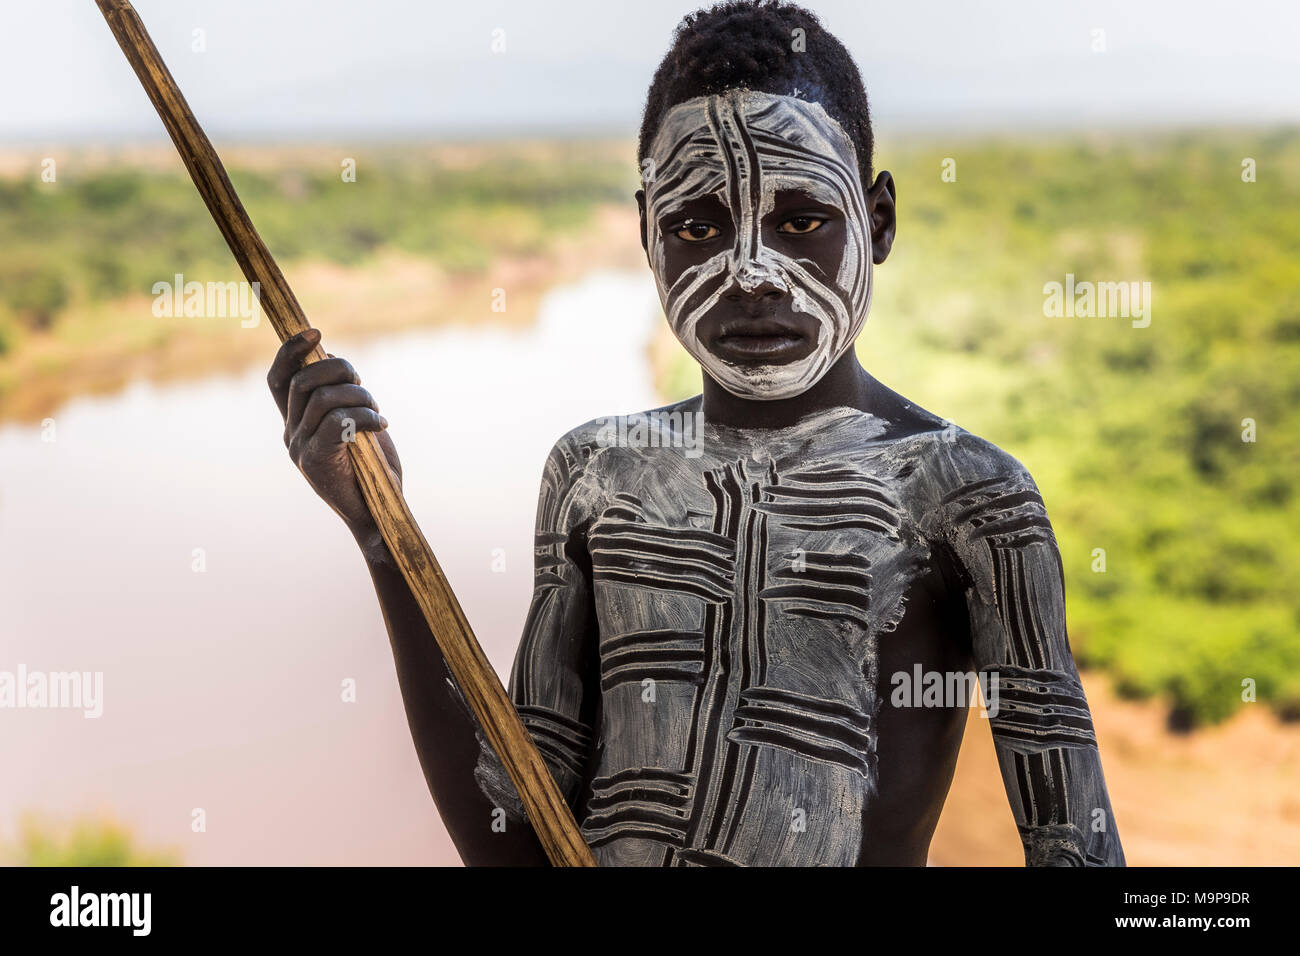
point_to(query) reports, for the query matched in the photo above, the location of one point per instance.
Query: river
(223, 687)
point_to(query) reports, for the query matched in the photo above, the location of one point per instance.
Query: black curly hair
(750, 44)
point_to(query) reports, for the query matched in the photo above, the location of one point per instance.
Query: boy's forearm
(441, 724)
(996, 528)
(1058, 794)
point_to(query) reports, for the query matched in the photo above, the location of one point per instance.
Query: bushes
(98, 236)
(35, 292)
(83, 842)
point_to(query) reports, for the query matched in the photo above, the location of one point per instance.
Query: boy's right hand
(317, 403)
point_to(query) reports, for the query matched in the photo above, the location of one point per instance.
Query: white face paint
(744, 147)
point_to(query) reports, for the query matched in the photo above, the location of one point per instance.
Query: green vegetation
(94, 236)
(88, 842)
(1135, 435)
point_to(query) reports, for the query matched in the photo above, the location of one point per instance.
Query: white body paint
(708, 652)
(703, 659)
(744, 146)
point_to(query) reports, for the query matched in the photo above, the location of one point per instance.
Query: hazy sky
(309, 68)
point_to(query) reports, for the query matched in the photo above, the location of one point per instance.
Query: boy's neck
(846, 383)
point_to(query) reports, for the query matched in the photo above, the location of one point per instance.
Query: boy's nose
(757, 282)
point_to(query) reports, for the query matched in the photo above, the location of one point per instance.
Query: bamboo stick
(547, 810)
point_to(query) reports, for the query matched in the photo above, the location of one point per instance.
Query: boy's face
(759, 236)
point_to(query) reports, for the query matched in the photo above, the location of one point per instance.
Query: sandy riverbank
(1222, 796)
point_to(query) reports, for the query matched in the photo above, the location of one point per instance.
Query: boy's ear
(640, 205)
(880, 199)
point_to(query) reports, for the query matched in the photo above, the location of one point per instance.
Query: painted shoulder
(958, 458)
(965, 490)
(570, 478)
(596, 434)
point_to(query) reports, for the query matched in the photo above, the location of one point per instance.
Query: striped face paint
(743, 148)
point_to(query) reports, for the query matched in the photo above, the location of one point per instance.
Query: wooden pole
(548, 812)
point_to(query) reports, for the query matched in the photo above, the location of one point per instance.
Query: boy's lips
(764, 340)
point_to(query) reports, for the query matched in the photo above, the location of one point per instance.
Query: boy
(716, 660)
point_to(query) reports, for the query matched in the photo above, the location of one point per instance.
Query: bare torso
(714, 637)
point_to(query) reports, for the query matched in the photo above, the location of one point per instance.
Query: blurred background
(448, 188)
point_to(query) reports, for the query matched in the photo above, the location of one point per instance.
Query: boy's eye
(800, 225)
(697, 232)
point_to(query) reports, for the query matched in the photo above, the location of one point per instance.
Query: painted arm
(320, 404)
(551, 682)
(998, 530)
